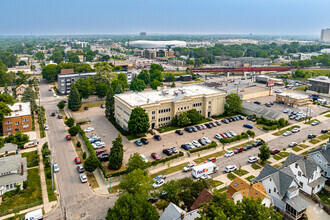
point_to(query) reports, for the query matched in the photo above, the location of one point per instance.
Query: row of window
(126, 113)
(164, 124)
(197, 104)
(17, 122)
(118, 106)
(163, 110)
(5, 173)
(183, 107)
(11, 186)
(167, 118)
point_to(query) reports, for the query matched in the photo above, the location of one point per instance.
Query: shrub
(212, 145)
(78, 144)
(154, 163)
(25, 184)
(241, 136)
(73, 131)
(84, 155)
(45, 145)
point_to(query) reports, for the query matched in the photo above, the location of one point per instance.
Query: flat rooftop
(175, 94)
(250, 90)
(76, 74)
(323, 79)
(19, 109)
(293, 95)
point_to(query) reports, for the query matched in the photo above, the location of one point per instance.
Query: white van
(206, 168)
(34, 215)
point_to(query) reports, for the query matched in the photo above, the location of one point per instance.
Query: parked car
(168, 152)
(159, 177)
(238, 150)
(89, 129)
(217, 123)
(144, 158)
(86, 108)
(156, 156)
(275, 151)
(98, 145)
(103, 157)
(46, 127)
(287, 133)
(204, 177)
(201, 141)
(206, 140)
(257, 102)
(315, 123)
(158, 183)
(247, 147)
(217, 136)
(77, 160)
(199, 127)
(208, 125)
(83, 177)
(80, 168)
(253, 159)
(185, 146)
(179, 132)
(59, 116)
(213, 124)
(323, 131)
(144, 141)
(229, 153)
(292, 144)
(191, 145)
(248, 126)
(188, 129)
(230, 168)
(52, 114)
(138, 143)
(241, 117)
(68, 137)
(103, 106)
(174, 150)
(311, 136)
(278, 91)
(258, 143)
(196, 143)
(194, 129)
(225, 121)
(188, 167)
(157, 137)
(295, 130)
(98, 152)
(203, 126)
(223, 135)
(56, 168)
(211, 159)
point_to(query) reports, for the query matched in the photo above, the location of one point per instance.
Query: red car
(238, 150)
(98, 152)
(211, 159)
(275, 151)
(68, 137)
(77, 160)
(156, 156)
(223, 135)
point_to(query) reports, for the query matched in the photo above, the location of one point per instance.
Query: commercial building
(325, 35)
(13, 172)
(19, 120)
(145, 44)
(319, 84)
(293, 99)
(252, 92)
(163, 105)
(266, 79)
(65, 80)
(250, 108)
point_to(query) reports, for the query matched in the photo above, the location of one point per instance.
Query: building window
(301, 183)
(17, 123)
(119, 107)
(8, 129)
(153, 112)
(7, 187)
(274, 190)
(269, 191)
(25, 119)
(118, 115)
(296, 165)
(299, 173)
(25, 126)
(209, 107)
(153, 117)
(210, 102)
(126, 113)
(8, 122)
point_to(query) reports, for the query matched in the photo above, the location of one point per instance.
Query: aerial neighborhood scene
(170, 110)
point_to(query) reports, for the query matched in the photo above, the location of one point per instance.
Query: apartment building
(293, 99)
(163, 105)
(319, 84)
(19, 120)
(65, 80)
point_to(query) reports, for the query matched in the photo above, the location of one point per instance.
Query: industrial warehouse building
(293, 99)
(250, 108)
(163, 105)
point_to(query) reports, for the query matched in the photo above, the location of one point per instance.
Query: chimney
(22, 169)
(182, 215)
(305, 157)
(20, 107)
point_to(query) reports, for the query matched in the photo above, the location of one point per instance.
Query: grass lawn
(306, 152)
(170, 170)
(327, 115)
(277, 165)
(283, 154)
(135, 136)
(168, 128)
(92, 104)
(249, 178)
(51, 195)
(277, 157)
(16, 216)
(314, 141)
(29, 197)
(32, 158)
(92, 180)
(310, 122)
(255, 166)
(301, 88)
(216, 155)
(296, 148)
(241, 172)
(114, 189)
(223, 189)
(303, 145)
(323, 137)
(214, 183)
(241, 145)
(279, 133)
(324, 195)
(231, 176)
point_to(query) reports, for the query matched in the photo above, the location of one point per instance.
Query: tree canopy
(135, 162)
(135, 182)
(74, 101)
(233, 104)
(137, 85)
(145, 76)
(109, 103)
(116, 154)
(264, 152)
(138, 121)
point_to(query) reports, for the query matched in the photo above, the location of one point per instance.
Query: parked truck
(206, 168)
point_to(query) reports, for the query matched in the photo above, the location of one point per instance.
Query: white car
(230, 168)
(144, 158)
(190, 145)
(229, 153)
(285, 111)
(196, 143)
(46, 127)
(83, 178)
(89, 129)
(56, 168)
(228, 135)
(287, 133)
(188, 167)
(217, 136)
(98, 145)
(204, 177)
(292, 144)
(295, 130)
(232, 133)
(278, 91)
(158, 183)
(206, 140)
(253, 159)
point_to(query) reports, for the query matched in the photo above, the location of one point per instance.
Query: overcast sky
(48, 17)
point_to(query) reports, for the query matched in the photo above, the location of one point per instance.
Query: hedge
(212, 145)
(269, 128)
(251, 133)
(243, 135)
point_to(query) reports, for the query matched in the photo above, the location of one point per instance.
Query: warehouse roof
(262, 110)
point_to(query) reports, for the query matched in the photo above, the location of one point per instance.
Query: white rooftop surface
(321, 79)
(76, 74)
(16, 112)
(155, 96)
(294, 95)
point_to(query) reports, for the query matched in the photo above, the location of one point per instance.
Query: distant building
(319, 84)
(250, 108)
(145, 44)
(13, 172)
(293, 99)
(21, 89)
(325, 35)
(163, 105)
(65, 79)
(143, 34)
(177, 62)
(19, 120)
(150, 54)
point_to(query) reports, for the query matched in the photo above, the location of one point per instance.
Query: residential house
(204, 197)
(21, 89)
(8, 149)
(306, 172)
(13, 172)
(173, 212)
(283, 188)
(240, 188)
(321, 157)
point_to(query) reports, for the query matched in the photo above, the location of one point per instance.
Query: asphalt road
(76, 201)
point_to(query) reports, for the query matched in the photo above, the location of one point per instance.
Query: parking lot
(107, 132)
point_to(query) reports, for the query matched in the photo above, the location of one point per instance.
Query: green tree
(173, 85)
(74, 101)
(117, 86)
(137, 85)
(145, 76)
(28, 95)
(74, 59)
(169, 77)
(102, 90)
(61, 105)
(85, 87)
(156, 75)
(138, 121)
(73, 130)
(104, 72)
(155, 67)
(4, 111)
(8, 59)
(50, 72)
(109, 103)
(22, 63)
(135, 182)
(155, 83)
(233, 104)
(6, 98)
(69, 122)
(2, 142)
(264, 152)
(183, 119)
(40, 56)
(173, 189)
(57, 57)
(19, 138)
(91, 163)
(123, 80)
(198, 62)
(116, 154)
(132, 206)
(135, 162)
(194, 116)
